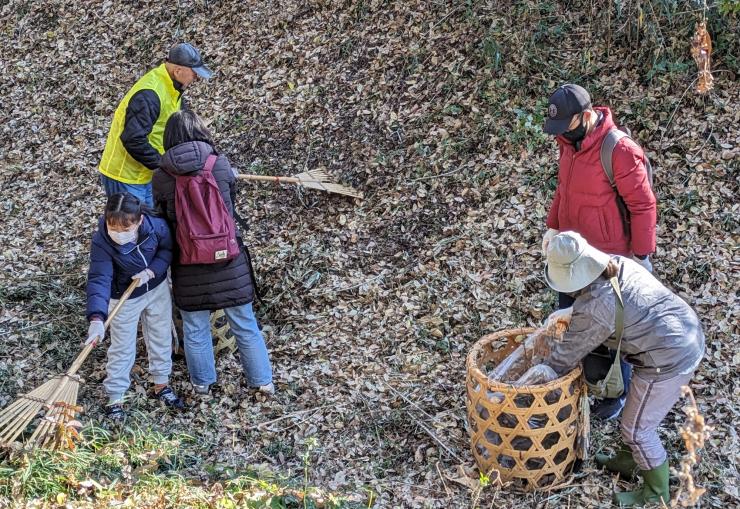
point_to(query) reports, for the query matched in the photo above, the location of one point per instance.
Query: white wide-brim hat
(572, 264)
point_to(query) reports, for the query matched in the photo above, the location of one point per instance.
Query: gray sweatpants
(155, 310)
(648, 402)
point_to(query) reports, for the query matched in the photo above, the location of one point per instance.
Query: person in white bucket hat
(661, 337)
(572, 264)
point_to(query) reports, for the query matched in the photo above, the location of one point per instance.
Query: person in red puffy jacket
(585, 201)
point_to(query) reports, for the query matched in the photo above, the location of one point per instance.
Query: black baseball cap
(186, 55)
(566, 101)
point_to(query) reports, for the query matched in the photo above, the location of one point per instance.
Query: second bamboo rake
(313, 179)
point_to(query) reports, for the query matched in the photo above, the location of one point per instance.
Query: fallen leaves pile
(433, 110)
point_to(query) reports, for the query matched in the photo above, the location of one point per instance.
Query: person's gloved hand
(549, 234)
(95, 332)
(144, 276)
(644, 262)
(559, 316)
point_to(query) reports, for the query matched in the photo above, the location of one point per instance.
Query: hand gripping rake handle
(88, 348)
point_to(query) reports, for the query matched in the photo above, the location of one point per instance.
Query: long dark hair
(184, 126)
(125, 209)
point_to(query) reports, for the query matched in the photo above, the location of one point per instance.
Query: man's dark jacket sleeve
(141, 114)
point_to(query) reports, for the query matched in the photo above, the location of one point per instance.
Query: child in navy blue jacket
(131, 243)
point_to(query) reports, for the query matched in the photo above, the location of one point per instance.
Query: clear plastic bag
(537, 375)
(534, 350)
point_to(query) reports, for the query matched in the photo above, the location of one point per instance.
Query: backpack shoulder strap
(619, 314)
(607, 150)
(210, 163)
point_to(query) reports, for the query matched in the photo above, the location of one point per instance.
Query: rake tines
(54, 429)
(15, 418)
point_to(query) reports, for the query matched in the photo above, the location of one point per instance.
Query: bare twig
(423, 426)
(670, 119)
(375, 422)
(288, 416)
(442, 478)
(358, 285)
(439, 441)
(407, 400)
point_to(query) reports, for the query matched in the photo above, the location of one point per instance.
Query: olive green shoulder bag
(610, 385)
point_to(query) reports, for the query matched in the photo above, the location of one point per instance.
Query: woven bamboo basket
(528, 433)
(221, 332)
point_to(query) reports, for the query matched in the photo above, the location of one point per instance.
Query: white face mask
(125, 237)
(122, 238)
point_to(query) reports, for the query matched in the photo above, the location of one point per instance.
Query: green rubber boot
(654, 489)
(622, 462)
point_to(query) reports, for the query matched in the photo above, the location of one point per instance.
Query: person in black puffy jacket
(131, 244)
(200, 289)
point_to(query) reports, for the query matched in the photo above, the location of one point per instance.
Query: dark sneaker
(170, 399)
(115, 413)
(608, 409)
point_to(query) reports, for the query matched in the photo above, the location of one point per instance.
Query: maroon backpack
(205, 229)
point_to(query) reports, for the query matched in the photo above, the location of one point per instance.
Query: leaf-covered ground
(433, 110)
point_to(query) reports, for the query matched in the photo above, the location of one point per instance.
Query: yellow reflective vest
(116, 162)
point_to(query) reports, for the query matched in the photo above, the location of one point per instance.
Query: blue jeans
(196, 327)
(142, 191)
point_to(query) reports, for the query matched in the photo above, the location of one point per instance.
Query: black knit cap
(566, 101)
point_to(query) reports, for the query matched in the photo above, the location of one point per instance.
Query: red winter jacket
(586, 203)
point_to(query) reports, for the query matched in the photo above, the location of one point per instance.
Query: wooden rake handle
(270, 178)
(88, 348)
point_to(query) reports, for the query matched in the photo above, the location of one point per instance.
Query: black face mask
(577, 134)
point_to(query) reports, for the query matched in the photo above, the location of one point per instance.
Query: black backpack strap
(239, 219)
(245, 227)
(607, 151)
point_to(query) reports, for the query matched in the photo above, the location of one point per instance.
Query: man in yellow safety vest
(134, 145)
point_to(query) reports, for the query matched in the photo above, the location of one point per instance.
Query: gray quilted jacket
(662, 335)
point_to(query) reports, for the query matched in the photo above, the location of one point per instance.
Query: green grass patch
(149, 468)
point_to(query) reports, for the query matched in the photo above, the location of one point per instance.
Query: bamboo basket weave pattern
(221, 332)
(526, 433)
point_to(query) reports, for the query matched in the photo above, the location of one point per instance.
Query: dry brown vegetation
(433, 110)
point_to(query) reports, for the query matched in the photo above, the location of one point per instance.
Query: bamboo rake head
(57, 428)
(318, 179)
(313, 175)
(312, 179)
(332, 188)
(57, 399)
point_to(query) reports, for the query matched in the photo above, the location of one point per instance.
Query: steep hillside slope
(434, 111)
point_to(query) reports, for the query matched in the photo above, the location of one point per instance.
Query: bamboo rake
(57, 398)
(313, 179)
